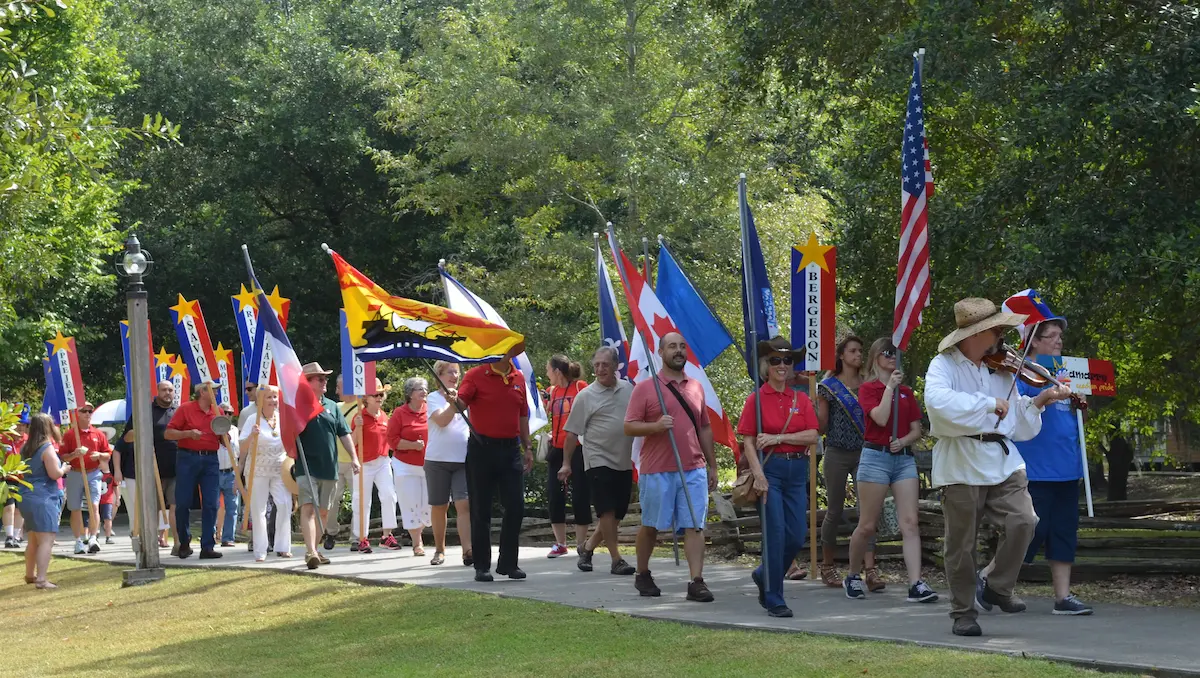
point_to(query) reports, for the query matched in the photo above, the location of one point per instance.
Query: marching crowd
(1003, 454)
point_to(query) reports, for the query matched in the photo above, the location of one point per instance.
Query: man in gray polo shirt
(598, 416)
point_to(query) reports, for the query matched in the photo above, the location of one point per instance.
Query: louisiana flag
(382, 326)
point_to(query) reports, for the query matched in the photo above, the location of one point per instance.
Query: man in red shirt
(498, 456)
(94, 447)
(376, 471)
(662, 492)
(196, 463)
(13, 520)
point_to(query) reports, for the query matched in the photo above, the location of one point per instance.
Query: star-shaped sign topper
(814, 253)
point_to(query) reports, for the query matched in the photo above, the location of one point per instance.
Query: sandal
(829, 575)
(438, 558)
(795, 573)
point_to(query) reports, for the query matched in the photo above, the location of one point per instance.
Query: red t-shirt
(870, 395)
(496, 402)
(411, 426)
(189, 416)
(92, 439)
(776, 405)
(374, 436)
(109, 490)
(561, 399)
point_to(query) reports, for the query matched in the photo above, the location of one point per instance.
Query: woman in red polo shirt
(887, 462)
(789, 428)
(407, 433)
(565, 384)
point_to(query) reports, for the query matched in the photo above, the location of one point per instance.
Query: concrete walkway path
(1160, 641)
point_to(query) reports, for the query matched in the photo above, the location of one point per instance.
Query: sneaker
(981, 586)
(585, 561)
(698, 591)
(1009, 604)
(622, 568)
(210, 555)
(515, 573)
(93, 546)
(762, 590)
(1071, 606)
(483, 576)
(79, 547)
(854, 587)
(557, 550)
(921, 593)
(354, 547)
(780, 611)
(329, 542)
(312, 561)
(10, 543)
(645, 585)
(965, 626)
(185, 550)
(875, 583)
(390, 542)
(363, 546)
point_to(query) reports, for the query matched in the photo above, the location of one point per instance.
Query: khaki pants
(1006, 505)
(344, 480)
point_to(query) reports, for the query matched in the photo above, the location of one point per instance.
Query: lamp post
(134, 265)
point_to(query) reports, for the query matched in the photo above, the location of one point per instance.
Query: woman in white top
(265, 445)
(446, 464)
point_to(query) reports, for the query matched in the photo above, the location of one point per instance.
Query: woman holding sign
(888, 462)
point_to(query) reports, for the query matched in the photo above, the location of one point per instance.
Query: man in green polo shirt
(319, 440)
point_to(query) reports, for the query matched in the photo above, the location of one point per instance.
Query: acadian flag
(383, 326)
(463, 300)
(195, 346)
(814, 299)
(298, 404)
(64, 374)
(225, 366)
(358, 378)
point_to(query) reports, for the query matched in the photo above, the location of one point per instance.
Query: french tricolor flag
(298, 405)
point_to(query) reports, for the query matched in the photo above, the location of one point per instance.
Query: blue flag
(758, 305)
(705, 334)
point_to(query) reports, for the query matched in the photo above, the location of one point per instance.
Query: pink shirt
(657, 456)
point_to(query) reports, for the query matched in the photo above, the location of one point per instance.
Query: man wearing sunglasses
(95, 451)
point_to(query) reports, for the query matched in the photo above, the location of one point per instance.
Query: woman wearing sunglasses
(789, 427)
(887, 462)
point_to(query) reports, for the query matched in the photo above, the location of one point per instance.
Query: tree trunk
(1120, 456)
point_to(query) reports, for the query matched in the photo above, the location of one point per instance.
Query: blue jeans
(193, 469)
(785, 523)
(228, 491)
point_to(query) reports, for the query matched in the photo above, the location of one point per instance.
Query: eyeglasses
(888, 353)
(776, 361)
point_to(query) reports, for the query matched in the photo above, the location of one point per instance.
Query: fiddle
(1005, 359)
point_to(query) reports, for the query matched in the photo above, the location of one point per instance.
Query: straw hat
(973, 315)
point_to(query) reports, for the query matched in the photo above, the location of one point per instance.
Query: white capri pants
(377, 472)
(272, 484)
(413, 495)
(128, 496)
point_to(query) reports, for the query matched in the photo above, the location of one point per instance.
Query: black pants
(556, 494)
(495, 469)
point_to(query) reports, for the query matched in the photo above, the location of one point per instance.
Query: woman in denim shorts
(887, 462)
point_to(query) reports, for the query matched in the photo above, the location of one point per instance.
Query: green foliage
(58, 191)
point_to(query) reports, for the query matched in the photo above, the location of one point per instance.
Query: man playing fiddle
(976, 414)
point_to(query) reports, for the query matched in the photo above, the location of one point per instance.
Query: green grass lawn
(222, 623)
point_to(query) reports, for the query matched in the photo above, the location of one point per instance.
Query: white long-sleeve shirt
(961, 400)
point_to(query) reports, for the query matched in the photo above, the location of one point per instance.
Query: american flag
(916, 186)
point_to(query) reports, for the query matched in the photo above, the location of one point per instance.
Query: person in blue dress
(42, 506)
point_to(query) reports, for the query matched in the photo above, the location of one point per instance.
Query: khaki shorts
(325, 496)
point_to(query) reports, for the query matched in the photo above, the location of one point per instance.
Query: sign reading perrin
(814, 300)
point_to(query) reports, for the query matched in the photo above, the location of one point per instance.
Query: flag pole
(312, 487)
(751, 307)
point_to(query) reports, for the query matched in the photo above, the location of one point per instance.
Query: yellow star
(178, 367)
(184, 308)
(247, 298)
(279, 303)
(814, 253)
(223, 354)
(163, 358)
(60, 343)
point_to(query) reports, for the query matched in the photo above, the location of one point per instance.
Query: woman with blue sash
(842, 424)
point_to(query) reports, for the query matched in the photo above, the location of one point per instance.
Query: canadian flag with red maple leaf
(652, 321)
